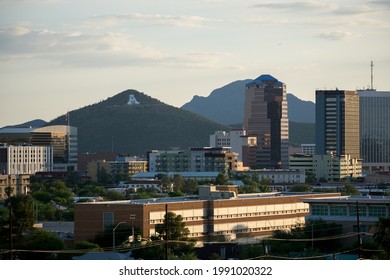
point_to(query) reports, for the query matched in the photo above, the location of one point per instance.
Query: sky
(61, 55)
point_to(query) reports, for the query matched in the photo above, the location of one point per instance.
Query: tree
(382, 234)
(22, 212)
(173, 229)
(221, 179)
(300, 188)
(349, 190)
(38, 240)
(178, 182)
(190, 186)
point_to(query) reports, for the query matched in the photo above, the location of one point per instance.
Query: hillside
(33, 123)
(135, 129)
(226, 105)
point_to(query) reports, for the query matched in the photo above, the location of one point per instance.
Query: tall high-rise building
(337, 123)
(265, 116)
(375, 129)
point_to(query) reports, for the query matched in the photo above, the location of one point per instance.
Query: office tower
(265, 116)
(337, 123)
(375, 129)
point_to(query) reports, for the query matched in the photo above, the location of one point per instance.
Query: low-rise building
(328, 167)
(206, 159)
(219, 212)
(348, 210)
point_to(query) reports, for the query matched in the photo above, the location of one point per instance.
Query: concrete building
(328, 167)
(169, 161)
(123, 166)
(210, 159)
(337, 123)
(219, 212)
(265, 116)
(278, 176)
(25, 159)
(197, 176)
(96, 168)
(235, 139)
(375, 129)
(344, 210)
(18, 184)
(61, 138)
(207, 159)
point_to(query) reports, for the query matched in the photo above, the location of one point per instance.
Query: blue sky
(59, 55)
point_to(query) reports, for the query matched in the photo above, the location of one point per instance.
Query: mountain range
(113, 125)
(225, 105)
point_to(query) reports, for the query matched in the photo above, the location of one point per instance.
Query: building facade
(328, 167)
(265, 116)
(219, 213)
(337, 123)
(235, 139)
(346, 210)
(375, 129)
(25, 159)
(61, 138)
(169, 161)
(207, 159)
(14, 185)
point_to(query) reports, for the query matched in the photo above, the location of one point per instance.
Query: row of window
(257, 214)
(349, 210)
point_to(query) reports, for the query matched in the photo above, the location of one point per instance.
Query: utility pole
(166, 233)
(358, 228)
(10, 231)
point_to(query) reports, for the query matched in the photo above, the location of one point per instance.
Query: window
(362, 210)
(319, 210)
(338, 210)
(108, 219)
(377, 211)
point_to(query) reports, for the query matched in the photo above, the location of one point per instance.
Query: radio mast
(372, 76)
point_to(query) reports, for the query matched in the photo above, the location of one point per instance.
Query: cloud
(298, 5)
(336, 35)
(318, 7)
(155, 19)
(95, 50)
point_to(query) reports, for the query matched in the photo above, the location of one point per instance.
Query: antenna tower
(372, 76)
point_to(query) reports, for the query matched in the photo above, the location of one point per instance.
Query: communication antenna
(372, 76)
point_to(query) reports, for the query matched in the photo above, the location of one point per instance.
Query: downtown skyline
(59, 55)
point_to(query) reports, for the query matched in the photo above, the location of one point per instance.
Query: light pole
(312, 235)
(113, 235)
(132, 218)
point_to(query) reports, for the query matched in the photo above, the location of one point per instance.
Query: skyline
(58, 55)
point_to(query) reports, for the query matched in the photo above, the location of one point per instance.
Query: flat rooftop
(195, 198)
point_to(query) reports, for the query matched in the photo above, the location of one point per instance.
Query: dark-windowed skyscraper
(265, 116)
(337, 123)
(375, 129)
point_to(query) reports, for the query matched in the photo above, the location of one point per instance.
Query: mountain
(226, 105)
(34, 123)
(112, 124)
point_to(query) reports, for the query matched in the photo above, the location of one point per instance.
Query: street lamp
(132, 218)
(113, 235)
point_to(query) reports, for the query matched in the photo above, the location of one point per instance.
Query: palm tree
(382, 234)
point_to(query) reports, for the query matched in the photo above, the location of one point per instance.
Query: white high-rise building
(233, 139)
(25, 159)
